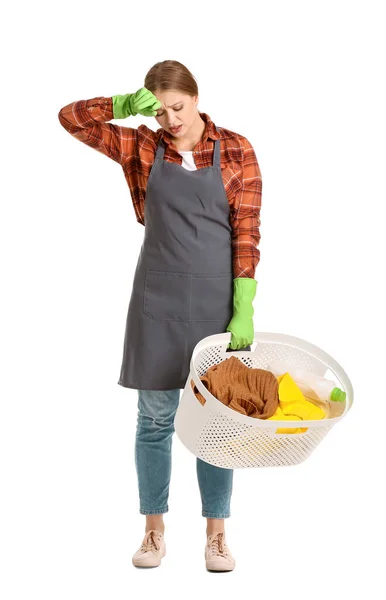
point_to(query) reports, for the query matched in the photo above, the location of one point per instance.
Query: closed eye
(176, 110)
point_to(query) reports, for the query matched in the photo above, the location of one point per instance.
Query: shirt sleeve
(245, 216)
(86, 121)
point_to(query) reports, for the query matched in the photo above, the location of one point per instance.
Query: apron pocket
(212, 297)
(167, 295)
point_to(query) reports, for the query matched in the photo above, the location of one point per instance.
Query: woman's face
(178, 110)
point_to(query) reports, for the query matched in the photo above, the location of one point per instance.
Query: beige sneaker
(217, 554)
(151, 551)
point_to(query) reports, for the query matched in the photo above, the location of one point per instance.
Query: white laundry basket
(224, 437)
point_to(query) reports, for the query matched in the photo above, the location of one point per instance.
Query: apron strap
(217, 153)
(160, 150)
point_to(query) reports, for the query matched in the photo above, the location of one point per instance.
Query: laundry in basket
(258, 393)
(252, 392)
(226, 438)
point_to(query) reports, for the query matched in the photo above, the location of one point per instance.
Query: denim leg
(153, 446)
(215, 485)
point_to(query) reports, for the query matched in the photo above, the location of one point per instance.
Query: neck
(189, 141)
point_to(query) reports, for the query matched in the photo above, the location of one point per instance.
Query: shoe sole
(215, 570)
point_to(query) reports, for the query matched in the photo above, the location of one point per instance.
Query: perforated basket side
(228, 444)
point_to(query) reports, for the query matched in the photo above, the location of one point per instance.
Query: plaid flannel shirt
(134, 149)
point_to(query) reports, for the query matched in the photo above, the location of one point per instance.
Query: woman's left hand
(241, 324)
(242, 331)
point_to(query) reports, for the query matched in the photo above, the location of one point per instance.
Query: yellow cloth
(293, 406)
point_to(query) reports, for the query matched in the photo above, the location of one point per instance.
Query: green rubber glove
(241, 324)
(143, 102)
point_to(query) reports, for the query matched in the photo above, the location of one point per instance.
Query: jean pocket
(212, 297)
(167, 295)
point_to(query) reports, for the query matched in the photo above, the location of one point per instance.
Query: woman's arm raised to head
(86, 120)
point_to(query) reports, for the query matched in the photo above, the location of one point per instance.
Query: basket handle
(218, 339)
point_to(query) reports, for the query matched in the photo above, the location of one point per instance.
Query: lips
(175, 129)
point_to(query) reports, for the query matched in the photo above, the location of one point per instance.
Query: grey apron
(183, 283)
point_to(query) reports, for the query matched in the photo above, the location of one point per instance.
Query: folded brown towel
(251, 392)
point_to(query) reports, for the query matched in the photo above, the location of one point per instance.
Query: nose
(166, 111)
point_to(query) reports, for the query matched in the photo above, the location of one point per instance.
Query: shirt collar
(209, 131)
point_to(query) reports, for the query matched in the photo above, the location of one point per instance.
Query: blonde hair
(171, 75)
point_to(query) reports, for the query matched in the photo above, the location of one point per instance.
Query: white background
(303, 81)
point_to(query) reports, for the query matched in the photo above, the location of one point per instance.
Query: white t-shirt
(187, 160)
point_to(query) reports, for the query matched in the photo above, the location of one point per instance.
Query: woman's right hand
(145, 103)
(142, 101)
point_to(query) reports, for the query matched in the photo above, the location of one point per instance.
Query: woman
(195, 271)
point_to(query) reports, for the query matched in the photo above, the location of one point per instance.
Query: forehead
(169, 98)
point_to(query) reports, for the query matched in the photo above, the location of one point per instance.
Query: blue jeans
(153, 445)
